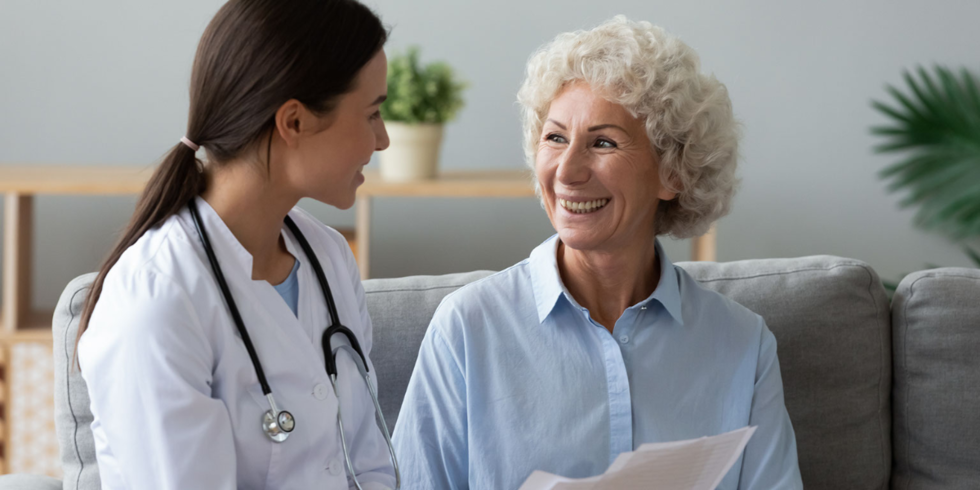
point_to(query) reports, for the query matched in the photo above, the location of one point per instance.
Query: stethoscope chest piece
(278, 427)
(277, 424)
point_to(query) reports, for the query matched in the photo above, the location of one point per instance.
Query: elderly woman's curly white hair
(657, 77)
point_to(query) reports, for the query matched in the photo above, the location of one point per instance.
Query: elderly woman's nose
(573, 166)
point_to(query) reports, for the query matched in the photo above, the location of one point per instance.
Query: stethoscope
(277, 424)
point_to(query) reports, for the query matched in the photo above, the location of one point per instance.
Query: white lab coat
(176, 401)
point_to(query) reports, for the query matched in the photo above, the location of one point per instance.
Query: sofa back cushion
(401, 310)
(936, 332)
(830, 317)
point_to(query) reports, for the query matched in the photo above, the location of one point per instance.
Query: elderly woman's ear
(666, 191)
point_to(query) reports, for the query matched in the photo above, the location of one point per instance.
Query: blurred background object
(935, 125)
(421, 100)
(105, 82)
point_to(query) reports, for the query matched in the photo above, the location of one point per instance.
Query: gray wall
(105, 81)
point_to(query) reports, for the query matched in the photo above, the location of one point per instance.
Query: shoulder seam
(165, 230)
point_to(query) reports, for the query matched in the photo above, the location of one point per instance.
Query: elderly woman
(596, 343)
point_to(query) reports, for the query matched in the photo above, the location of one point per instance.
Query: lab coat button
(320, 392)
(334, 467)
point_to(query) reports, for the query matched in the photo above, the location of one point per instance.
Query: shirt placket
(618, 387)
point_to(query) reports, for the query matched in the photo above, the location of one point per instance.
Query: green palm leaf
(935, 126)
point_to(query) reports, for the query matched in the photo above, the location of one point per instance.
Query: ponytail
(254, 56)
(175, 182)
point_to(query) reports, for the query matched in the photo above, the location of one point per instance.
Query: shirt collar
(668, 291)
(547, 286)
(545, 278)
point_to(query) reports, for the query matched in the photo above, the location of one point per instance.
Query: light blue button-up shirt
(514, 376)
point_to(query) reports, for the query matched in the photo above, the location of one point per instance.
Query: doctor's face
(598, 172)
(331, 159)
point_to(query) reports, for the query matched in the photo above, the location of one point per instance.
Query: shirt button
(624, 339)
(334, 467)
(320, 392)
(643, 307)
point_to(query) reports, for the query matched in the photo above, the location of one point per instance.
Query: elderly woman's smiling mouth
(580, 205)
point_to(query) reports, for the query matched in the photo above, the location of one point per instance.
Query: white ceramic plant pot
(413, 153)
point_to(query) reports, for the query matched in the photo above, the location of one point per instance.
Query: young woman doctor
(202, 341)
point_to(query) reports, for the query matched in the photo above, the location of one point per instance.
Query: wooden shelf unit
(21, 183)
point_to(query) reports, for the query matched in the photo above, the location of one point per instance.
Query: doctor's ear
(294, 119)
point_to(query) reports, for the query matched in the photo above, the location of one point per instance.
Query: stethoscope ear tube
(331, 360)
(335, 325)
(220, 278)
(318, 270)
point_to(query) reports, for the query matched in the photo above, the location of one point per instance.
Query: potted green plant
(421, 99)
(935, 126)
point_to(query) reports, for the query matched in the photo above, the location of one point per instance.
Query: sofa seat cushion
(936, 326)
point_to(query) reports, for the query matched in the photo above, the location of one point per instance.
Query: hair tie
(190, 144)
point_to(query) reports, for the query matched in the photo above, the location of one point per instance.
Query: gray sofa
(881, 393)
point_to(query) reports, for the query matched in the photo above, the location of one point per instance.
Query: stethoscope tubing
(235, 314)
(330, 359)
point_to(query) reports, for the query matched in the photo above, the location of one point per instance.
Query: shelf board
(74, 179)
(130, 179)
(37, 327)
(470, 183)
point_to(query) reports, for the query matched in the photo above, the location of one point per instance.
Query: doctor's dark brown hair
(254, 56)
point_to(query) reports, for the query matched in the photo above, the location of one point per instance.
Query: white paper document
(696, 464)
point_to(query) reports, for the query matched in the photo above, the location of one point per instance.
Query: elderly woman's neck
(609, 282)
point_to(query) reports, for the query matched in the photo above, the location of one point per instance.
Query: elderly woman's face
(598, 173)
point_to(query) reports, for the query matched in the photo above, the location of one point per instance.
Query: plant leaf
(935, 122)
(421, 94)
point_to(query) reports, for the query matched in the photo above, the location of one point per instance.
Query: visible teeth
(583, 207)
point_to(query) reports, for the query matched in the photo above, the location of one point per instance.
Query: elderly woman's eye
(557, 138)
(604, 143)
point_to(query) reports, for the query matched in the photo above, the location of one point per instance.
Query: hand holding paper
(696, 464)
